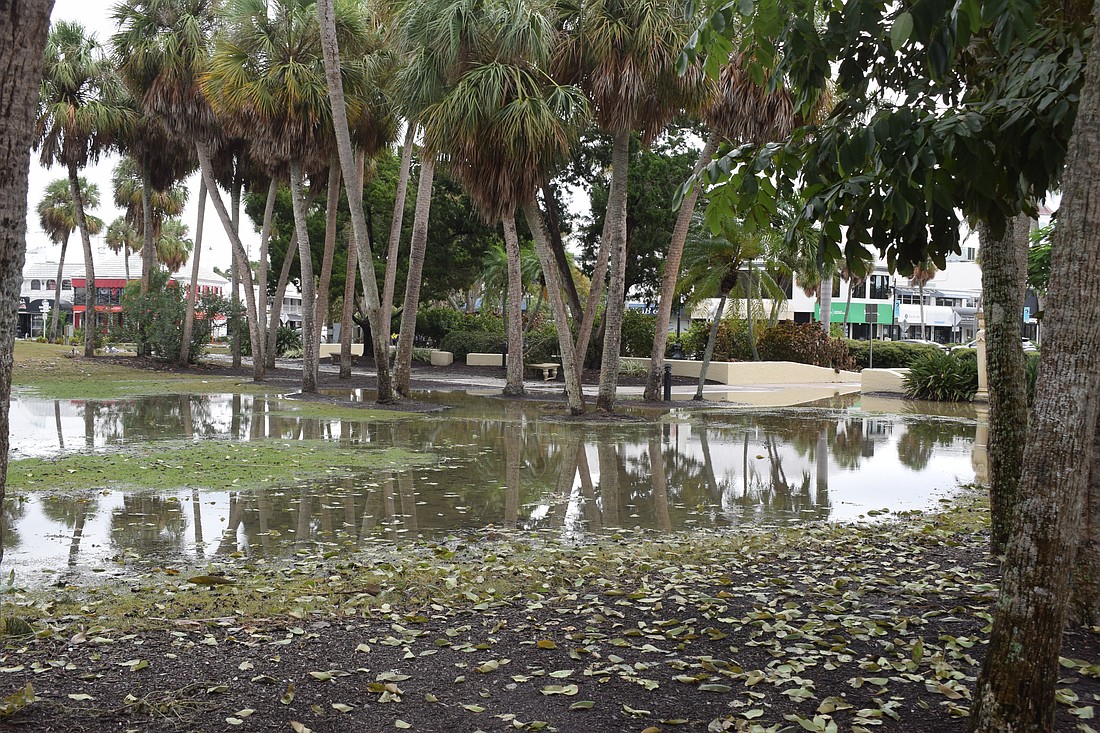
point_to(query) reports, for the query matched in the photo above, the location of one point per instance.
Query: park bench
(549, 370)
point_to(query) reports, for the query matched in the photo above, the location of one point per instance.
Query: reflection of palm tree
(609, 481)
(151, 524)
(228, 543)
(592, 511)
(848, 444)
(57, 422)
(660, 483)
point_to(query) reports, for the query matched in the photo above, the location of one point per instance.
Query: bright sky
(95, 16)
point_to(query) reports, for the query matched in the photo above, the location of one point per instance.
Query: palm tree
(713, 267)
(923, 274)
(57, 216)
(162, 48)
(267, 76)
(335, 80)
(504, 125)
(623, 54)
(132, 196)
(78, 118)
(123, 239)
(173, 245)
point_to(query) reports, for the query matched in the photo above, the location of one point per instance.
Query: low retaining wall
(330, 349)
(755, 372)
(883, 380)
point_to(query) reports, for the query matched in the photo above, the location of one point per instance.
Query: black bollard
(668, 383)
(504, 357)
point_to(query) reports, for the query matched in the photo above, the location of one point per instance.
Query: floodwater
(493, 464)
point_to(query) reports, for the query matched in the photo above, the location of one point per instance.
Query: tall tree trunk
(238, 249)
(333, 206)
(1086, 574)
(708, 352)
(569, 359)
(89, 266)
(754, 293)
(274, 320)
(1004, 272)
(193, 291)
(22, 39)
(847, 309)
(1015, 690)
(616, 288)
(263, 272)
(402, 363)
(393, 250)
(379, 331)
(825, 298)
(57, 313)
(599, 274)
(553, 231)
(237, 263)
(347, 325)
(148, 243)
(513, 311)
(309, 287)
(920, 289)
(672, 273)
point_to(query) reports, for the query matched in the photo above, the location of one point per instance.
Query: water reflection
(495, 464)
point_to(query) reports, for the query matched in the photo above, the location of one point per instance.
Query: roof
(108, 266)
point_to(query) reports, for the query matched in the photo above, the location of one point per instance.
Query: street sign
(956, 319)
(1027, 314)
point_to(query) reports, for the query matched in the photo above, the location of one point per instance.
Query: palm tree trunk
(513, 311)
(403, 359)
(57, 314)
(569, 359)
(309, 287)
(346, 322)
(148, 245)
(553, 231)
(263, 272)
(672, 272)
(754, 292)
(238, 250)
(379, 331)
(277, 303)
(193, 291)
(588, 322)
(1004, 273)
(616, 289)
(847, 309)
(394, 248)
(709, 351)
(825, 298)
(237, 263)
(920, 288)
(332, 209)
(89, 266)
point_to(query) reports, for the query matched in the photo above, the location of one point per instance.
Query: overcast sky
(95, 16)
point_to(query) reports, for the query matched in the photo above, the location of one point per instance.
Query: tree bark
(1015, 690)
(277, 302)
(57, 314)
(193, 291)
(309, 287)
(263, 272)
(553, 231)
(238, 249)
(1004, 272)
(379, 331)
(1086, 575)
(588, 322)
(402, 364)
(333, 205)
(89, 265)
(570, 371)
(672, 272)
(513, 311)
(236, 264)
(616, 289)
(346, 322)
(708, 352)
(394, 249)
(22, 40)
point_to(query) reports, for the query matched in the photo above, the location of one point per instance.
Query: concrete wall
(883, 380)
(330, 349)
(755, 372)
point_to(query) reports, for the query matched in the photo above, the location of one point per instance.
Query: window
(51, 284)
(36, 284)
(66, 284)
(858, 288)
(836, 287)
(880, 287)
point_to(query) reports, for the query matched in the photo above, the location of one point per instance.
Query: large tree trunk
(569, 358)
(1015, 690)
(553, 232)
(379, 331)
(148, 243)
(1086, 575)
(394, 248)
(708, 352)
(274, 319)
(347, 324)
(89, 266)
(599, 273)
(402, 363)
(672, 273)
(616, 289)
(22, 39)
(57, 313)
(513, 311)
(236, 264)
(238, 249)
(193, 291)
(325, 280)
(1004, 272)
(309, 287)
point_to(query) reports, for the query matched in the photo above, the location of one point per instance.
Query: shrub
(461, 343)
(942, 377)
(288, 342)
(1031, 375)
(540, 344)
(804, 343)
(637, 334)
(731, 343)
(435, 323)
(888, 354)
(156, 318)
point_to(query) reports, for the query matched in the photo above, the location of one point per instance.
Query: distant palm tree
(923, 273)
(57, 216)
(131, 196)
(79, 116)
(173, 245)
(123, 239)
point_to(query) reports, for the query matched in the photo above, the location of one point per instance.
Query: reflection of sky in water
(498, 465)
